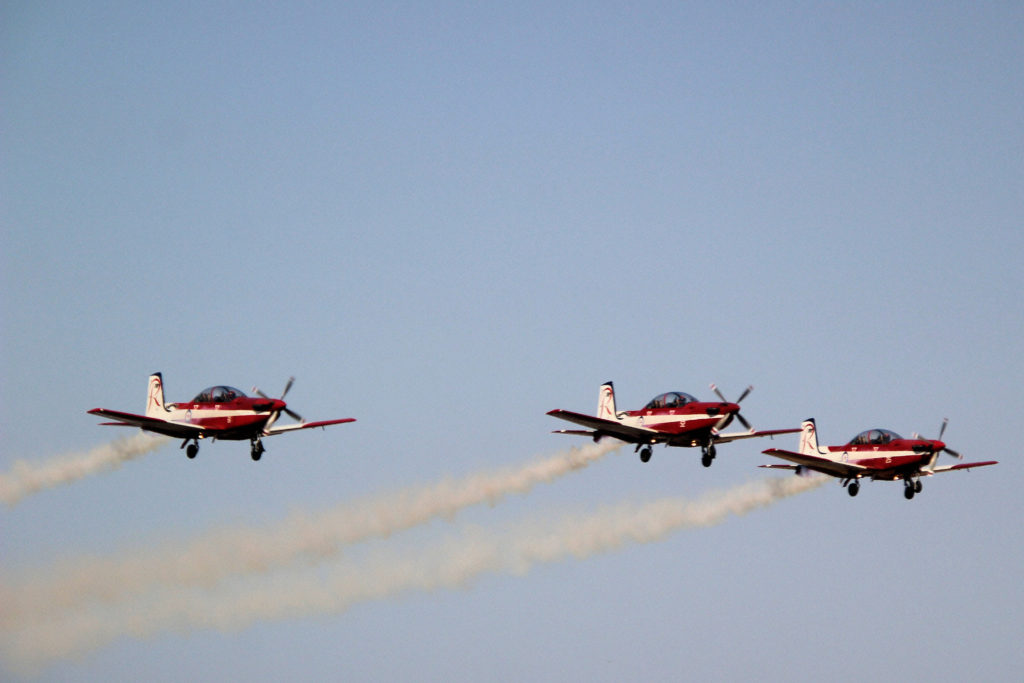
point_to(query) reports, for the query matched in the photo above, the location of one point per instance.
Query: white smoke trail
(233, 551)
(26, 478)
(388, 573)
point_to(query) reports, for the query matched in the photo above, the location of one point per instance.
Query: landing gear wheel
(645, 454)
(917, 486)
(853, 488)
(908, 492)
(257, 450)
(707, 454)
(191, 450)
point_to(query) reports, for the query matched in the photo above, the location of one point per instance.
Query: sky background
(447, 220)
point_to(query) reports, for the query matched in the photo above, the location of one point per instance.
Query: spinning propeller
(277, 413)
(944, 448)
(739, 417)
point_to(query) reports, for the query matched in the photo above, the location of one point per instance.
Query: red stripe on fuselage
(697, 419)
(884, 461)
(231, 420)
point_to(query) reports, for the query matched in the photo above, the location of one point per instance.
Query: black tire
(706, 460)
(191, 450)
(853, 489)
(645, 454)
(917, 486)
(908, 492)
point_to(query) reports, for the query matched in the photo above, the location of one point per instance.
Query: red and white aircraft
(216, 413)
(876, 454)
(674, 419)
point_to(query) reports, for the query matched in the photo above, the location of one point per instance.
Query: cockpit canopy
(218, 395)
(673, 399)
(874, 437)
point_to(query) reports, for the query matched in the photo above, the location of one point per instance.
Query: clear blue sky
(447, 220)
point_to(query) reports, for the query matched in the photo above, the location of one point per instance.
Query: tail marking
(155, 397)
(809, 439)
(606, 402)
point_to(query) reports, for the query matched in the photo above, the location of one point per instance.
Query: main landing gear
(645, 453)
(192, 449)
(910, 488)
(707, 454)
(853, 489)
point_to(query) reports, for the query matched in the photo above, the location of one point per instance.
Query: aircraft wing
(607, 427)
(735, 436)
(845, 470)
(965, 466)
(150, 424)
(305, 425)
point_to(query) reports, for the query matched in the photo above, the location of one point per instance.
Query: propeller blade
(295, 416)
(942, 429)
(955, 454)
(291, 381)
(737, 415)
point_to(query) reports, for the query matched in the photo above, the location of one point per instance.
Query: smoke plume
(305, 537)
(26, 478)
(385, 572)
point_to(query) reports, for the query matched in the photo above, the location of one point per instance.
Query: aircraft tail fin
(809, 438)
(606, 402)
(155, 397)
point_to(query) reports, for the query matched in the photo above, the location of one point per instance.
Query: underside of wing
(305, 425)
(608, 427)
(823, 465)
(150, 424)
(965, 466)
(736, 436)
(575, 432)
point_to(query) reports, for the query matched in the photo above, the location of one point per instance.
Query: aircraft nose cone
(938, 445)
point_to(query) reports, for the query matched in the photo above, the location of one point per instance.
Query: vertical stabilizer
(155, 397)
(606, 402)
(809, 439)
